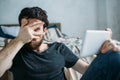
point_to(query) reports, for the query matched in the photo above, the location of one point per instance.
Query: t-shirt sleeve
(69, 56)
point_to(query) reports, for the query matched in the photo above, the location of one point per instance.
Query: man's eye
(37, 29)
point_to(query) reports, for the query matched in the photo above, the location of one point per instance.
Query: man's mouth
(33, 40)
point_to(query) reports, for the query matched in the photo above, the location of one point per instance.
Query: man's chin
(35, 44)
(32, 46)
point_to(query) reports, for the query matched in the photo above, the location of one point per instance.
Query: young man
(39, 61)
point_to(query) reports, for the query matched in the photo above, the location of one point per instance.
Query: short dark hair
(34, 12)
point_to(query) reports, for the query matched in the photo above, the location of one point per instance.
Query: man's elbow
(4, 69)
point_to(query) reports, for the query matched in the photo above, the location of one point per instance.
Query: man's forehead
(34, 20)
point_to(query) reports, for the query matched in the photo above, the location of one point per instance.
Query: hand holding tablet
(92, 42)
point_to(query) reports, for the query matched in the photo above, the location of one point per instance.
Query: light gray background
(75, 16)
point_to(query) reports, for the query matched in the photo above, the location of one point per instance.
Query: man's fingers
(31, 30)
(110, 46)
(106, 46)
(108, 29)
(35, 37)
(35, 25)
(116, 48)
(38, 33)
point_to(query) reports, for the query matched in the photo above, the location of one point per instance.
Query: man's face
(35, 43)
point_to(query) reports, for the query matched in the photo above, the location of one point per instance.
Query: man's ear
(24, 22)
(45, 30)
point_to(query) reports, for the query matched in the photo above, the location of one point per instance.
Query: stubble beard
(35, 45)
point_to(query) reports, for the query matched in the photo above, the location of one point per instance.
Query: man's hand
(109, 44)
(27, 31)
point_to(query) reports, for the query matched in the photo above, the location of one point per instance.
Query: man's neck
(41, 48)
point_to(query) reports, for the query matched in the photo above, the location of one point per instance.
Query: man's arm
(80, 66)
(8, 53)
(26, 34)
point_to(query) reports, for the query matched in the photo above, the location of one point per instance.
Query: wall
(109, 16)
(75, 15)
(113, 17)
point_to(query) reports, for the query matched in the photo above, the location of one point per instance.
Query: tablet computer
(92, 42)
